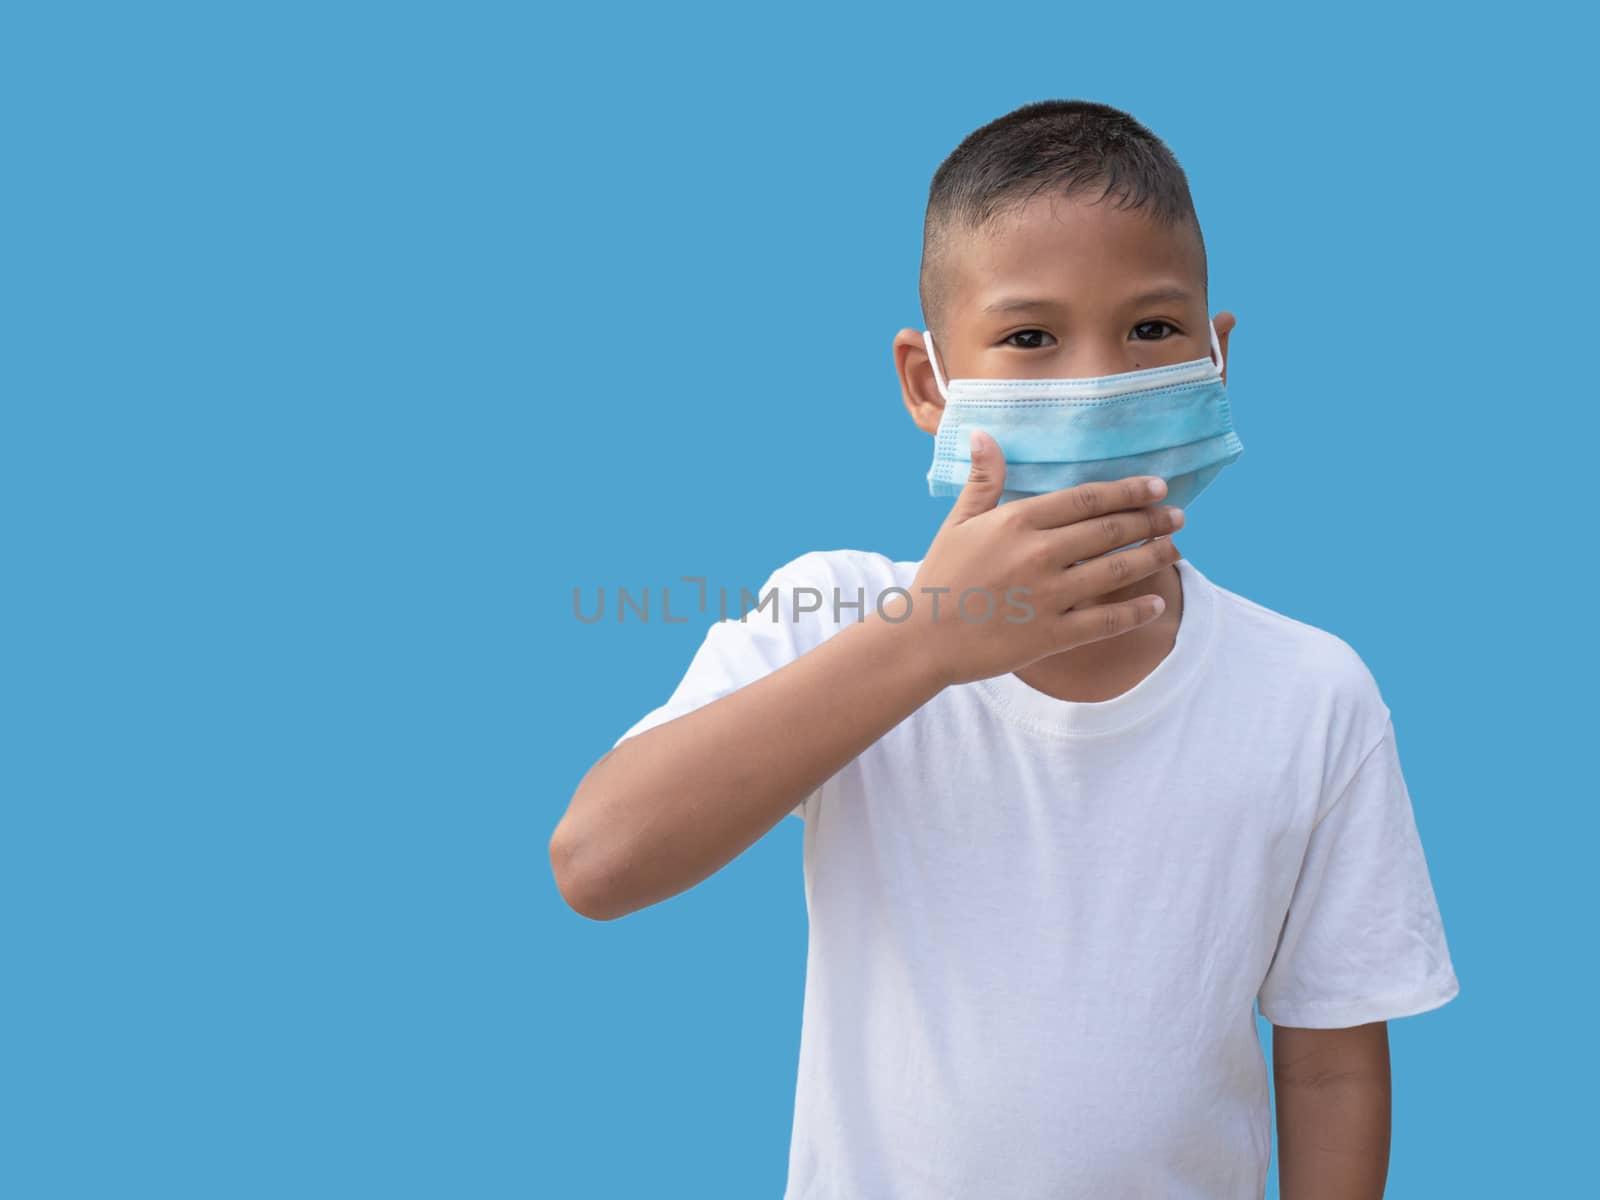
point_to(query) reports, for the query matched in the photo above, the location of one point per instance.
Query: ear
(917, 387)
(1224, 322)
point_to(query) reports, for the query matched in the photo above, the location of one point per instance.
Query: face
(1063, 289)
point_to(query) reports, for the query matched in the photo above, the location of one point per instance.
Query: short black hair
(1066, 146)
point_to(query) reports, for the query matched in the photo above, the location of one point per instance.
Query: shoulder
(813, 596)
(1294, 666)
(1314, 655)
(846, 570)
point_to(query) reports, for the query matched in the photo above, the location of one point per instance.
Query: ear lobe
(925, 413)
(918, 390)
(1224, 322)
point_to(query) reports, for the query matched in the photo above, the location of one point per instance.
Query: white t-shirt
(1037, 926)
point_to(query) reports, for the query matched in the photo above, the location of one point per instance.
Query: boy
(1054, 855)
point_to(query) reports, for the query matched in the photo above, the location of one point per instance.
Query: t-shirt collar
(1033, 709)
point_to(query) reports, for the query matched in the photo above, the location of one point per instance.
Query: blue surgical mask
(1056, 433)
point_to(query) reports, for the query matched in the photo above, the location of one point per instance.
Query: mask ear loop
(933, 360)
(1216, 347)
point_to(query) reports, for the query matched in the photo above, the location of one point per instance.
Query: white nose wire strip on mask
(938, 377)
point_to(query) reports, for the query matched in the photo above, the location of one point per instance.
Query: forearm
(673, 805)
(1333, 1112)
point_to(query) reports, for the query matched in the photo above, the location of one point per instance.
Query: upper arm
(1362, 939)
(1333, 1109)
(780, 625)
(1323, 1057)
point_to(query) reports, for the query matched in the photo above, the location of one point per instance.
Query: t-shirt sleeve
(778, 627)
(1362, 940)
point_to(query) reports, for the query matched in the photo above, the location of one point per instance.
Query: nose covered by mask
(1174, 422)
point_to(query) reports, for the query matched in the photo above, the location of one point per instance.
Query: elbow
(581, 888)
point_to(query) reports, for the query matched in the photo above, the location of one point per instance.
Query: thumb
(985, 482)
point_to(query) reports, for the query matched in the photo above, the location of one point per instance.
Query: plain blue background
(341, 343)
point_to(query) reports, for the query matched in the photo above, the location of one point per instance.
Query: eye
(1026, 333)
(1167, 325)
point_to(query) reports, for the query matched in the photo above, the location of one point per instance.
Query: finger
(1086, 500)
(1091, 538)
(1101, 621)
(985, 481)
(1097, 576)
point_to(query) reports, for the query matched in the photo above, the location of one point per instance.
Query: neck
(1105, 669)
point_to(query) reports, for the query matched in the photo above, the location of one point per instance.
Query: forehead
(1076, 253)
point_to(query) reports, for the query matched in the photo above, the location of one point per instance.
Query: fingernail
(1158, 605)
(1156, 486)
(975, 443)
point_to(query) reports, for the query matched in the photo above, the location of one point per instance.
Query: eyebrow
(1030, 303)
(1017, 304)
